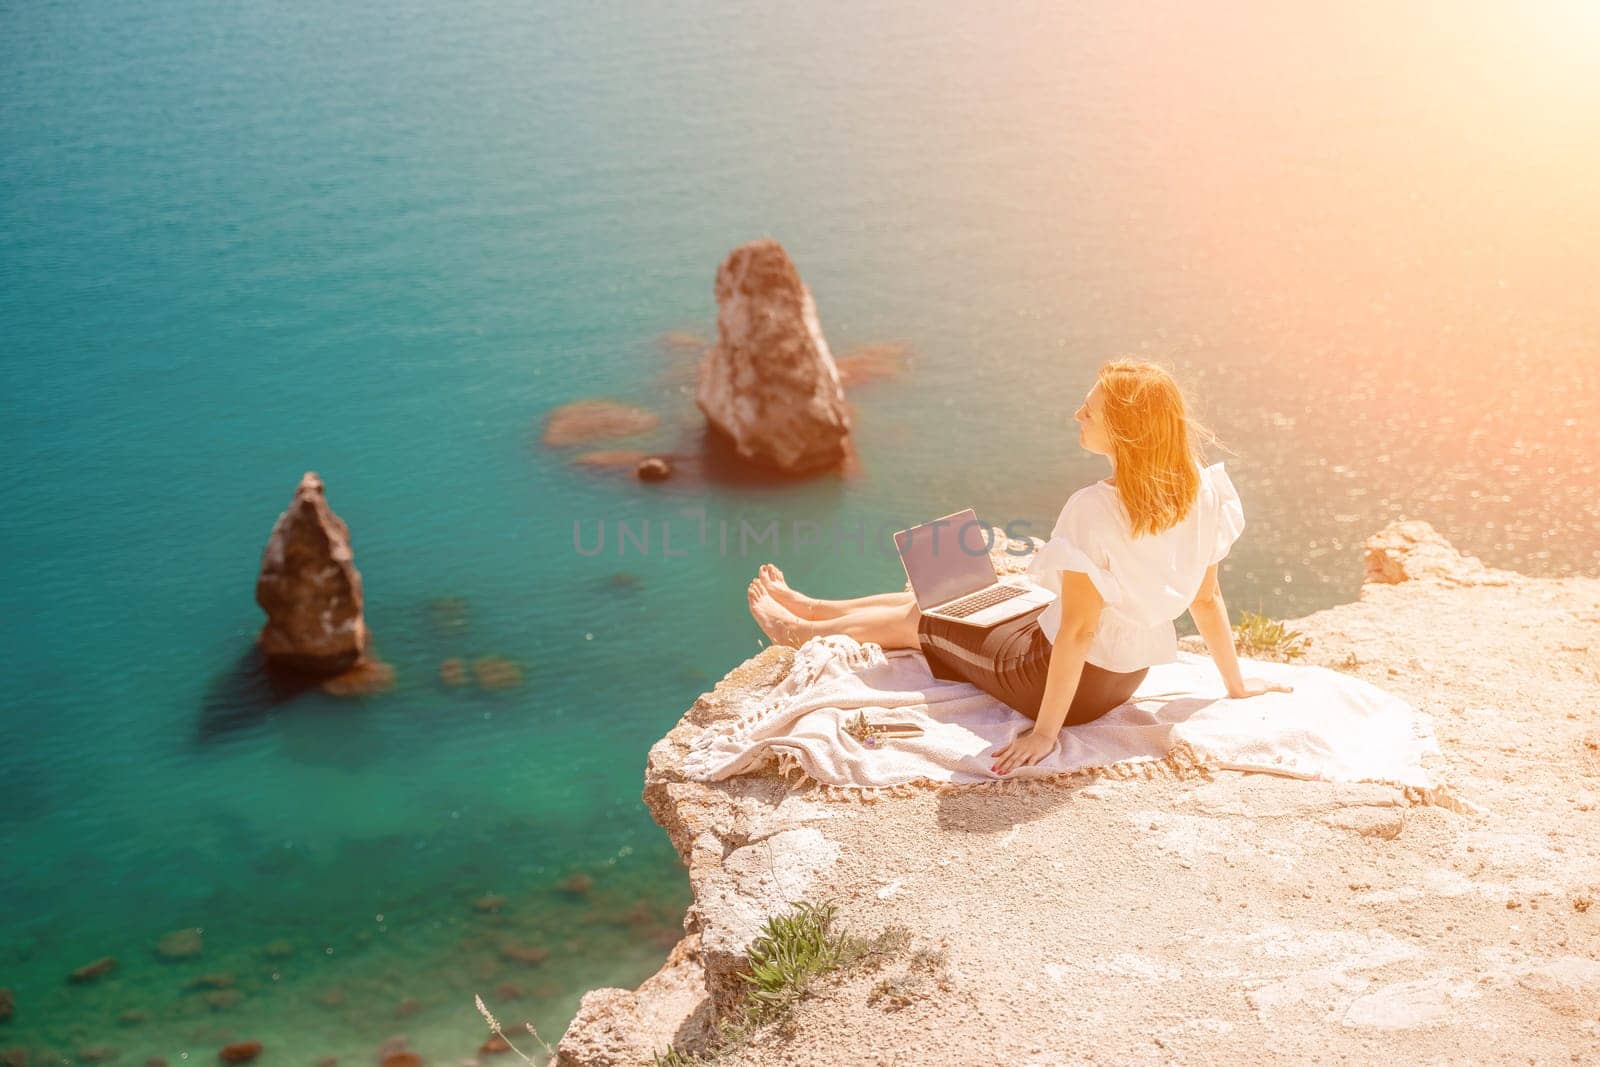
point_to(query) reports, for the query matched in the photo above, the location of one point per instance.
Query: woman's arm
(1210, 615)
(1081, 604)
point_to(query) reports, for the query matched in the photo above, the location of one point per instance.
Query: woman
(1127, 556)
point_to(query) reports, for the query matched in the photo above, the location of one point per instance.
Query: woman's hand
(1254, 687)
(1025, 748)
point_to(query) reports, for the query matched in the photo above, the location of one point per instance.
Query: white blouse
(1146, 582)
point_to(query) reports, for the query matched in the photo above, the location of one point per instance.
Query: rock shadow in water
(253, 692)
(712, 456)
(244, 696)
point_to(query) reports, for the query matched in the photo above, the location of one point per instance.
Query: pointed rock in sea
(310, 589)
(770, 384)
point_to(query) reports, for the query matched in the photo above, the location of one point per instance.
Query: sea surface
(240, 241)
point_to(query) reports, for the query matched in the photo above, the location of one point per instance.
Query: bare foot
(772, 579)
(777, 622)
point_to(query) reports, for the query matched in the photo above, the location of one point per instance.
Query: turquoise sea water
(242, 241)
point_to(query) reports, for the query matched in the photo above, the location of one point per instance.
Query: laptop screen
(946, 558)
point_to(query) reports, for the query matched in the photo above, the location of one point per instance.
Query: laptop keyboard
(984, 598)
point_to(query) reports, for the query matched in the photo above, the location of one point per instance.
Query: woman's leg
(890, 625)
(815, 608)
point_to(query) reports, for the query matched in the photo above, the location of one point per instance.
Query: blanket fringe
(1182, 763)
(810, 660)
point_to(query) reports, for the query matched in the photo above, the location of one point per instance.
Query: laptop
(953, 578)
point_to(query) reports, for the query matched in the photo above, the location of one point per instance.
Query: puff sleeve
(1230, 513)
(1077, 544)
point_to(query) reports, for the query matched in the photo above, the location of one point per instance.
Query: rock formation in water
(310, 589)
(770, 384)
(1186, 916)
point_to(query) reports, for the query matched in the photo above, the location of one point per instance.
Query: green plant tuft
(1258, 637)
(792, 950)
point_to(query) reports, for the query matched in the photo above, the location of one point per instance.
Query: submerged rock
(181, 944)
(310, 589)
(578, 882)
(453, 672)
(872, 363)
(496, 672)
(90, 971)
(278, 949)
(770, 384)
(611, 458)
(369, 676)
(681, 341)
(593, 420)
(222, 999)
(681, 466)
(516, 952)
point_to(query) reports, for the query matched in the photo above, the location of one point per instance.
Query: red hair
(1155, 443)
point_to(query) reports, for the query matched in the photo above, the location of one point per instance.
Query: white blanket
(1333, 726)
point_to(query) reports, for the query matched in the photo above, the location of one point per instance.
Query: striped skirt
(1010, 662)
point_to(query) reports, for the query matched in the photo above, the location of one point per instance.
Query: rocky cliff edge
(1195, 915)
